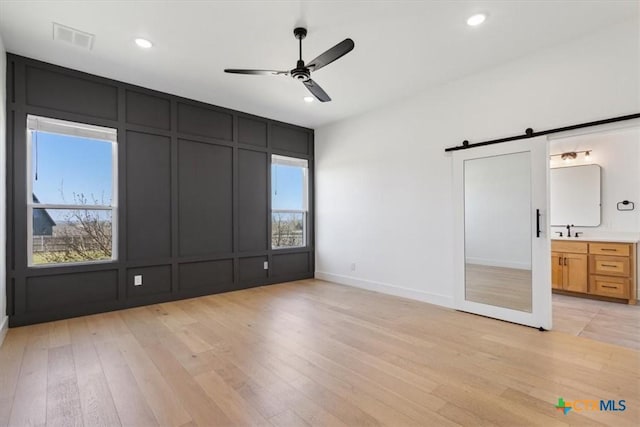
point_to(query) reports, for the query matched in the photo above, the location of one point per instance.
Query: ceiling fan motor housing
(300, 33)
(301, 72)
(302, 75)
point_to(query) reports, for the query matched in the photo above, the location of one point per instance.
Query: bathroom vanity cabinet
(606, 270)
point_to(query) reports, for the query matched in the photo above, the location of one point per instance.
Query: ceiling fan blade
(256, 72)
(317, 91)
(336, 52)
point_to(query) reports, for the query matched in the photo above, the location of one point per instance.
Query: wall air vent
(72, 36)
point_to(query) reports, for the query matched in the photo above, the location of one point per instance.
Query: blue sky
(286, 187)
(68, 165)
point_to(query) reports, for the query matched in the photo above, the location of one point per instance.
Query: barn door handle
(537, 222)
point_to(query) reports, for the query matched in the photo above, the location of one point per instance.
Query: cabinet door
(575, 273)
(556, 270)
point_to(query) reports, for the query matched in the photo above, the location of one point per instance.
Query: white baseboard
(4, 327)
(497, 263)
(436, 299)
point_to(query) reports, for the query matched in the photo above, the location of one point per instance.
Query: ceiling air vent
(72, 36)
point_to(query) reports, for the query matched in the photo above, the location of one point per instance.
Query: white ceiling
(402, 47)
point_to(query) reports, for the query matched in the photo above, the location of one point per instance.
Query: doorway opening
(594, 196)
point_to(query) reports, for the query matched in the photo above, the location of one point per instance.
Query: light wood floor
(306, 353)
(604, 321)
(498, 286)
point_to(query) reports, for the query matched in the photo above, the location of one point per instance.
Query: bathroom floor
(603, 321)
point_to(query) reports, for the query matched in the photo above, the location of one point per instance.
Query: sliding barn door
(502, 242)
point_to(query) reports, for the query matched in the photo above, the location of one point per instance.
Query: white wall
(3, 204)
(383, 182)
(497, 211)
(618, 154)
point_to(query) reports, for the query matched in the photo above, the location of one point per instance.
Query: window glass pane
(289, 193)
(71, 170)
(288, 187)
(287, 229)
(71, 235)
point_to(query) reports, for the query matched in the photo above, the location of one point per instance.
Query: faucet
(569, 230)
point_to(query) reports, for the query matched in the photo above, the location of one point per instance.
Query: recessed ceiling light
(476, 20)
(308, 99)
(144, 43)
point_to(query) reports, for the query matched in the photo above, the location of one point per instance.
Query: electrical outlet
(137, 280)
(266, 265)
(353, 266)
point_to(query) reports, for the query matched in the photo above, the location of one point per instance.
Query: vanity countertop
(613, 237)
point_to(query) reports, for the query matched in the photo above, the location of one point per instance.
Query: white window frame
(64, 127)
(298, 162)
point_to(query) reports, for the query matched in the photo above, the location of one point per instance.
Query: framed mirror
(575, 196)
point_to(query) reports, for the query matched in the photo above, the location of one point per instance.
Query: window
(289, 202)
(71, 192)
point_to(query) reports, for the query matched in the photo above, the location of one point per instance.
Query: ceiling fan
(302, 72)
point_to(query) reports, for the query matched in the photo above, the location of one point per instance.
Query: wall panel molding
(193, 192)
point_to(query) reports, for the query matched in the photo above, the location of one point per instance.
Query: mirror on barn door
(502, 241)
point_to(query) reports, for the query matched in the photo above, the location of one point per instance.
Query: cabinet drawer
(609, 265)
(615, 287)
(570, 247)
(618, 249)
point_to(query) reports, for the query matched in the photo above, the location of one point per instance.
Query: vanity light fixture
(572, 155)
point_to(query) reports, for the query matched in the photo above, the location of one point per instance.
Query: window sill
(73, 264)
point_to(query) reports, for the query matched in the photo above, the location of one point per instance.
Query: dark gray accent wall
(57, 90)
(70, 288)
(193, 196)
(205, 193)
(148, 196)
(253, 213)
(210, 276)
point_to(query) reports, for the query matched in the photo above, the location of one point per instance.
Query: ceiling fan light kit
(302, 72)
